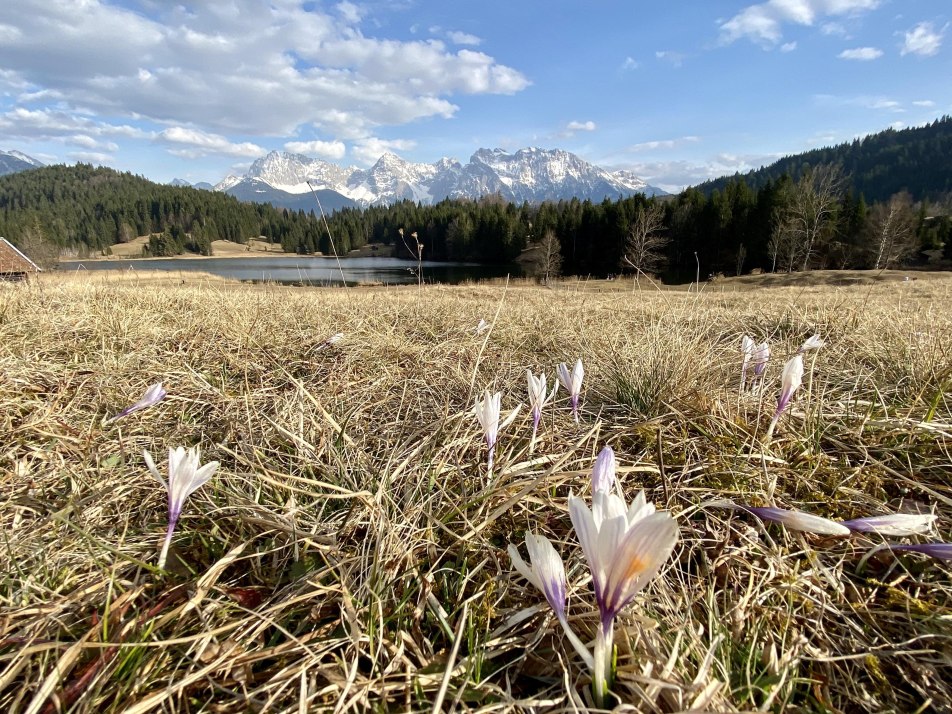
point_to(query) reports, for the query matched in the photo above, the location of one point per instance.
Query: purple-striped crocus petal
(893, 524)
(153, 395)
(798, 520)
(572, 381)
(760, 357)
(941, 551)
(790, 380)
(637, 559)
(544, 570)
(603, 473)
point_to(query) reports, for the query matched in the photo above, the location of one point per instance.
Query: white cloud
(925, 103)
(236, 66)
(350, 13)
(91, 157)
(330, 150)
(630, 63)
(370, 148)
(55, 125)
(199, 143)
(674, 176)
(862, 101)
(862, 54)
(463, 38)
(663, 144)
(675, 58)
(833, 28)
(580, 126)
(788, 46)
(763, 22)
(922, 40)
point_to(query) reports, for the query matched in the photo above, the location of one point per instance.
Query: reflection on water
(305, 270)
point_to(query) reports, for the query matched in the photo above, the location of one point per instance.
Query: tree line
(815, 221)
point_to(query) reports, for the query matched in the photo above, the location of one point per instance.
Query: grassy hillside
(350, 553)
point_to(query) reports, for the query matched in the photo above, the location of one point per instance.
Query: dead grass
(350, 554)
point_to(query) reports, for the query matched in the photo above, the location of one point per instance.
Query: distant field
(350, 554)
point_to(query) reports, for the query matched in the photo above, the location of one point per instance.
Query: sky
(677, 92)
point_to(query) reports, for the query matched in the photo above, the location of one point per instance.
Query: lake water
(307, 270)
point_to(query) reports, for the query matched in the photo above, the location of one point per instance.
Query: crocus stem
(773, 424)
(603, 650)
(166, 543)
(578, 644)
(535, 429)
(492, 451)
(575, 409)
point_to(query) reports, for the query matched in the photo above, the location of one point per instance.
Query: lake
(307, 270)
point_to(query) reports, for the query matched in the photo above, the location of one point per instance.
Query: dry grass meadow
(350, 553)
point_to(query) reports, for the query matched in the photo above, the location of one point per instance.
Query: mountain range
(531, 174)
(13, 161)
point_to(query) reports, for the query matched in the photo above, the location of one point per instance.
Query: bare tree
(543, 259)
(37, 247)
(644, 247)
(810, 213)
(891, 231)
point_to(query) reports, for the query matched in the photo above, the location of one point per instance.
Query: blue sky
(677, 92)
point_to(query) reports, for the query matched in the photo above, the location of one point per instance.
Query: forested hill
(878, 166)
(85, 209)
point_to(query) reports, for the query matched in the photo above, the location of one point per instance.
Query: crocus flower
(940, 551)
(814, 343)
(790, 381)
(185, 477)
(482, 327)
(625, 548)
(546, 571)
(537, 399)
(153, 395)
(487, 412)
(893, 524)
(760, 357)
(332, 340)
(798, 520)
(747, 346)
(572, 381)
(603, 473)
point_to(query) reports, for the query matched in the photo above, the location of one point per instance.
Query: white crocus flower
(546, 571)
(790, 381)
(625, 548)
(487, 412)
(185, 477)
(603, 473)
(814, 343)
(572, 381)
(747, 346)
(153, 395)
(538, 398)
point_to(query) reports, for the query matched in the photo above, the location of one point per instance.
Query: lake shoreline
(222, 249)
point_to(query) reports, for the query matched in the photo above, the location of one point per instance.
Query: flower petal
(798, 520)
(153, 470)
(603, 473)
(638, 558)
(941, 551)
(893, 524)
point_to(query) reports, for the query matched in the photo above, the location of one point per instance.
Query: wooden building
(14, 265)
